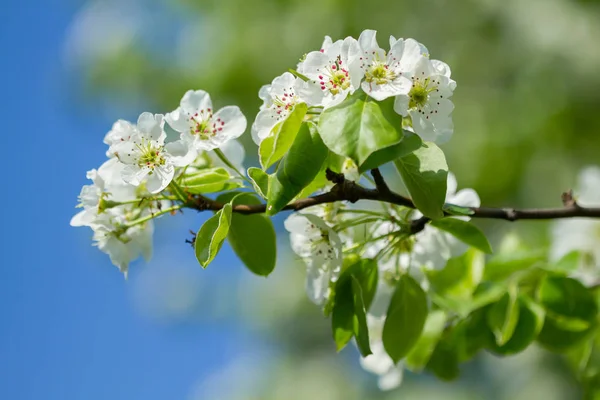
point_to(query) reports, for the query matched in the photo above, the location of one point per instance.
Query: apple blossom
(333, 72)
(321, 249)
(428, 102)
(203, 128)
(388, 75)
(279, 99)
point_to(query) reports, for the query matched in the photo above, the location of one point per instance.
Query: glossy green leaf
(453, 209)
(420, 354)
(209, 180)
(360, 328)
(405, 319)
(297, 169)
(529, 325)
(461, 275)
(360, 126)
(346, 318)
(252, 237)
(333, 162)
(502, 316)
(568, 302)
(409, 143)
(211, 235)
(444, 360)
(260, 181)
(424, 173)
(279, 141)
(464, 231)
(503, 265)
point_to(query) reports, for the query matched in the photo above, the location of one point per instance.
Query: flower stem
(154, 215)
(224, 158)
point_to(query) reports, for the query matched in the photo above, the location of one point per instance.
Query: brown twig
(345, 190)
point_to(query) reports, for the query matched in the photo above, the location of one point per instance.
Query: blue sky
(70, 328)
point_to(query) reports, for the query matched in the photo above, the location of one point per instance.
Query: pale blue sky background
(69, 325)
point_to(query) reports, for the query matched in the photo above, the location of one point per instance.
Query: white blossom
(428, 102)
(203, 128)
(107, 186)
(279, 99)
(582, 234)
(388, 75)
(122, 244)
(146, 157)
(334, 72)
(321, 249)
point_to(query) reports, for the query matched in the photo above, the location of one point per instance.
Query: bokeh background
(526, 117)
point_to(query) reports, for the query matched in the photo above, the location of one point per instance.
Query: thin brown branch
(345, 190)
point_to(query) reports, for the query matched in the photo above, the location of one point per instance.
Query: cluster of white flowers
(143, 159)
(314, 239)
(421, 86)
(581, 234)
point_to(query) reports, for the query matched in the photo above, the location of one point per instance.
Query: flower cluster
(129, 189)
(315, 237)
(421, 87)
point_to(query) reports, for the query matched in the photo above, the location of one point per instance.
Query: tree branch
(346, 190)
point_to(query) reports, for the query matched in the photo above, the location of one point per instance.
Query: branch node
(380, 184)
(511, 214)
(568, 200)
(334, 177)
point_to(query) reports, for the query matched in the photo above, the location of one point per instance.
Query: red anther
(333, 67)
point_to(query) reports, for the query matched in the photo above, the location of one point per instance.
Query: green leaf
(568, 302)
(279, 141)
(569, 262)
(471, 335)
(405, 319)
(260, 181)
(209, 180)
(211, 235)
(360, 126)
(360, 328)
(424, 174)
(252, 237)
(409, 143)
(453, 209)
(461, 275)
(333, 162)
(346, 318)
(419, 356)
(555, 338)
(529, 325)
(464, 231)
(297, 169)
(444, 360)
(503, 266)
(502, 316)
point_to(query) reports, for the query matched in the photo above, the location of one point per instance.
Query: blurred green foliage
(526, 116)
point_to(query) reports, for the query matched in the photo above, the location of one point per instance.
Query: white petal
(82, 218)
(368, 41)
(150, 125)
(160, 178)
(134, 175)
(401, 105)
(392, 379)
(181, 152)
(178, 120)
(263, 124)
(317, 284)
(234, 123)
(465, 198)
(451, 186)
(195, 101)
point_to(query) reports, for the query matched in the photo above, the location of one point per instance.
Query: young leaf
(346, 319)
(360, 328)
(360, 126)
(209, 180)
(531, 320)
(409, 143)
(424, 173)
(405, 319)
(297, 169)
(252, 237)
(419, 356)
(502, 316)
(464, 231)
(260, 181)
(211, 235)
(274, 146)
(571, 305)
